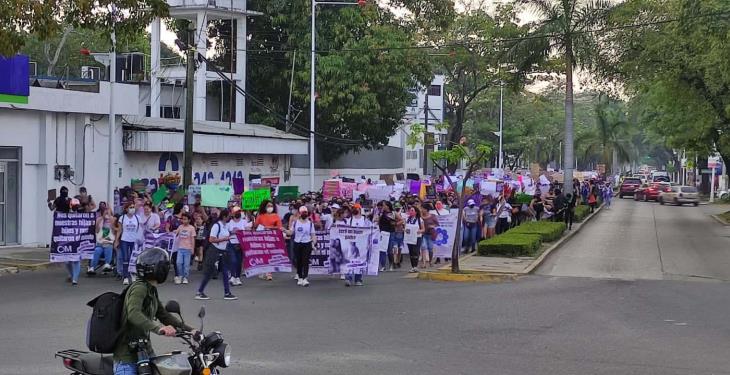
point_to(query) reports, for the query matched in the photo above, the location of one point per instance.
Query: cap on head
(303, 209)
(470, 202)
(235, 209)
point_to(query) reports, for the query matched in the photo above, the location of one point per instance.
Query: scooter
(205, 356)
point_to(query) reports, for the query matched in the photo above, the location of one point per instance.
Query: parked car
(650, 192)
(680, 195)
(629, 186)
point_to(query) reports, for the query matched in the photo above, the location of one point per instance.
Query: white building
(397, 157)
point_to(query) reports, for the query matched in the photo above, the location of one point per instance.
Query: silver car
(680, 195)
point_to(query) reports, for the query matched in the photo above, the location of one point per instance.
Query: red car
(650, 192)
(629, 186)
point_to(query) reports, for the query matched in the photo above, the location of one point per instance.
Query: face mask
(130, 211)
(305, 215)
(269, 209)
(355, 213)
(214, 216)
(471, 205)
(237, 216)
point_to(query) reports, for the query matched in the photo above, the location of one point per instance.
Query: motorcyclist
(142, 307)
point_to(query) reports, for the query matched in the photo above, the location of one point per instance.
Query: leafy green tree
(474, 65)
(675, 69)
(563, 29)
(364, 71)
(609, 142)
(21, 18)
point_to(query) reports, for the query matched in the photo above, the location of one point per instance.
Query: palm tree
(610, 140)
(564, 29)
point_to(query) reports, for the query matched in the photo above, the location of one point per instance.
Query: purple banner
(73, 234)
(237, 185)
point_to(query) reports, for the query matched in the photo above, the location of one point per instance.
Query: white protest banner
(383, 242)
(356, 194)
(445, 235)
(488, 187)
(380, 192)
(351, 250)
(165, 241)
(410, 236)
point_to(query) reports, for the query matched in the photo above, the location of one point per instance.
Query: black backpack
(105, 324)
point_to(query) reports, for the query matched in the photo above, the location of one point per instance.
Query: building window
(166, 111)
(434, 90)
(257, 161)
(412, 155)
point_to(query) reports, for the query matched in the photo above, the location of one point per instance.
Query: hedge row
(510, 244)
(581, 212)
(548, 230)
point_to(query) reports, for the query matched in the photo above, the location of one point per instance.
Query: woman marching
(414, 249)
(305, 238)
(238, 223)
(218, 240)
(267, 219)
(130, 229)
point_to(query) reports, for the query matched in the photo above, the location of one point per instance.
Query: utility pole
(189, 96)
(425, 135)
(112, 114)
(501, 134)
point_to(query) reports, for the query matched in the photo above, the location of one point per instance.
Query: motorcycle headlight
(212, 340)
(224, 355)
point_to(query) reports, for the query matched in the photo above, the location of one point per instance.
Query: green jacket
(141, 307)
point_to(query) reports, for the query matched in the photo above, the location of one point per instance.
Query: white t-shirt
(130, 228)
(240, 225)
(326, 220)
(153, 221)
(506, 211)
(219, 230)
(303, 231)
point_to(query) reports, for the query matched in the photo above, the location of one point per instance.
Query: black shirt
(62, 204)
(387, 223)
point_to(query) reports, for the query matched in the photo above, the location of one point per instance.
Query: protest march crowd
(348, 229)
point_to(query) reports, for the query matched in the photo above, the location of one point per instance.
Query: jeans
(471, 231)
(100, 250)
(125, 252)
(427, 244)
(224, 259)
(396, 241)
(236, 259)
(302, 253)
(121, 368)
(74, 269)
(183, 262)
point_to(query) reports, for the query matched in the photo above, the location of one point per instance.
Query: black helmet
(153, 264)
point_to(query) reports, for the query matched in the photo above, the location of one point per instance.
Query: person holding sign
(267, 219)
(413, 235)
(219, 237)
(305, 238)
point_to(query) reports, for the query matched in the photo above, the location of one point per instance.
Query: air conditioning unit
(91, 72)
(33, 69)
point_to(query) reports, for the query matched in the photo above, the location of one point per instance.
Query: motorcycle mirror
(173, 307)
(201, 314)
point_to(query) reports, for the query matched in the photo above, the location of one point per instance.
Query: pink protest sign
(331, 189)
(263, 252)
(346, 189)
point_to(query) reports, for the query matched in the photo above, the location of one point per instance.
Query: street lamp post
(501, 134)
(312, 77)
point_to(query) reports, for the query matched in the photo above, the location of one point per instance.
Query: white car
(680, 195)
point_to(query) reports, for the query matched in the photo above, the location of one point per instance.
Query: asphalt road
(645, 240)
(536, 325)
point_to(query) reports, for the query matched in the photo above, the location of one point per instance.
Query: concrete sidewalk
(510, 268)
(15, 258)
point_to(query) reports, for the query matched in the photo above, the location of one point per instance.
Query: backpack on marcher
(105, 324)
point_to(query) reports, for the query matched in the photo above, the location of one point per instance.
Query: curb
(484, 277)
(531, 268)
(720, 220)
(25, 265)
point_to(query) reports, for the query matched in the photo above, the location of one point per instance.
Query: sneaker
(342, 276)
(230, 297)
(232, 280)
(300, 282)
(177, 280)
(382, 269)
(133, 278)
(391, 269)
(269, 277)
(296, 277)
(438, 260)
(75, 283)
(125, 281)
(348, 282)
(90, 271)
(238, 281)
(413, 270)
(201, 296)
(305, 282)
(359, 283)
(185, 280)
(107, 268)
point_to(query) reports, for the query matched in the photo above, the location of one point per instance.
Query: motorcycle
(206, 355)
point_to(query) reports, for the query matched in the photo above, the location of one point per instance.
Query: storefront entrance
(9, 195)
